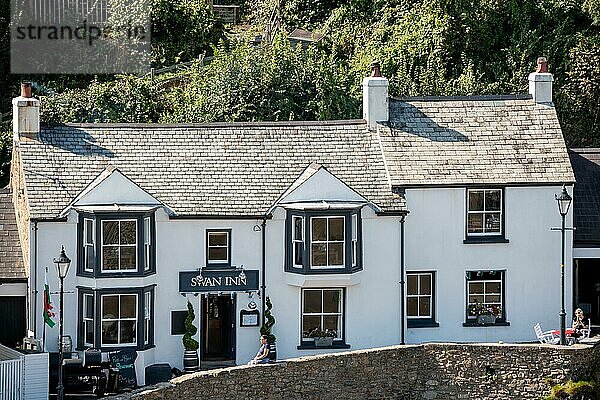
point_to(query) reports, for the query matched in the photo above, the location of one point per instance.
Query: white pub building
(401, 227)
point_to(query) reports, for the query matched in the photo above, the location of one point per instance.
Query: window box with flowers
(323, 338)
(486, 314)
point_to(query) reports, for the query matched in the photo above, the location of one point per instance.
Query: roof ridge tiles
(465, 98)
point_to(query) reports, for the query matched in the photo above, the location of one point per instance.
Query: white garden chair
(545, 337)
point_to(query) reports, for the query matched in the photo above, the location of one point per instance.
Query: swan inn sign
(218, 280)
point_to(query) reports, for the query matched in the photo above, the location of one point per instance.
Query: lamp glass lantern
(62, 263)
(564, 201)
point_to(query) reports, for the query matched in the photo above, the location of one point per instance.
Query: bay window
(323, 242)
(115, 318)
(116, 244)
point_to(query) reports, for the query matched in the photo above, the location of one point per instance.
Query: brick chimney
(540, 83)
(375, 97)
(26, 113)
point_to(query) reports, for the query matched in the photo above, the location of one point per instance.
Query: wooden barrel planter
(191, 363)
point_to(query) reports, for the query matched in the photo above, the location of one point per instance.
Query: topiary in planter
(189, 343)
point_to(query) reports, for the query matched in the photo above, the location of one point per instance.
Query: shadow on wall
(74, 140)
(410, 119)
(587, 195)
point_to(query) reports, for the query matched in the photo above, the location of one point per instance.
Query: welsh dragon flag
(48, 314)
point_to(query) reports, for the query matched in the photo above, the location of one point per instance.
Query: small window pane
(110, 307)
(424, 306)
(89, 231)
(475, 223)
(128, 232)
(217, 239)
(319, 229)
(89, 257)
(425, 284)
(127, 331)
(89, 306)
(298, 249)
(110, 332)
(89, 331)
(310, 323)
(492, 287)
(146, 230)
(217, 253)
(297, 228)
(475, 200)
(412, 307)
(110, 232)
(312, 301)
(110, 258)
(492, 200)
(476, 287)
(336, 253)
(331, 301)
(476, 298)
(128, 306)
(332, 322)
(492, 222)
(128, 257)
(492, 298)
(319, 254)
(336, 228)
(354, 227)
(412, 284)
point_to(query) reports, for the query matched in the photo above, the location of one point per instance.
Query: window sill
(423, 323)
(311, 346)
(485, 240)
(474, 324)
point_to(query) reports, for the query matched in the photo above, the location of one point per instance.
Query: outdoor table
(568, 331)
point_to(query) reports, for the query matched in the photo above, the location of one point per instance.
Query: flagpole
(43, 307)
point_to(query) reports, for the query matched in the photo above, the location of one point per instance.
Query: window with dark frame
(298, 241)
(323, 242)
(88, 319)
(89, 254)
(322, 310)
(485, 295)
(119, 245)
(116, 318)
(484, 212)
(119, 319)
(420, 299)
(218, 247)
(116, 244)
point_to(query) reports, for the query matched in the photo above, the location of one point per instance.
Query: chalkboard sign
(125, 361)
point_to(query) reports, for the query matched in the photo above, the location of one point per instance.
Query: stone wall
(429, 371)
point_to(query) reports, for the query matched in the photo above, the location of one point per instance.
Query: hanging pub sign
(218, 280)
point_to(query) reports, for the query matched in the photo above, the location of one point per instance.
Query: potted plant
(323, 338)
(266, 329)
(486, 314)
(190, 356)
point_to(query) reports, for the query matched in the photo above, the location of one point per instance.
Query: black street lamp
(62, 263)
(564, 202)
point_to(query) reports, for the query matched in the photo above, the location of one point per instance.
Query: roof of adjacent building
(474, 140)
(241, 169)
(11, 256)
(586, 206)
(234, 169)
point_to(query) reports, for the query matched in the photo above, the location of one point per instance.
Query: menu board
(125, 361)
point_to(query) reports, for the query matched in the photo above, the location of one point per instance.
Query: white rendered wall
(434, 241)
(435, 232)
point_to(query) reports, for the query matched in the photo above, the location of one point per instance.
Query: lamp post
(62, 263)
(564, 202)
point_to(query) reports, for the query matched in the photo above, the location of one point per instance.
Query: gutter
(263, 286)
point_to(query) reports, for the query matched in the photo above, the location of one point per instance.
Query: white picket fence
(11, 379)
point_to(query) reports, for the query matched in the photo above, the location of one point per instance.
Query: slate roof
(474, 140)
(11, 256)
(215, 169)
(586, 203)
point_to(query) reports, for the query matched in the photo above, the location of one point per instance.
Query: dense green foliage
(580, 390)
(426, 47)
(189, 343)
